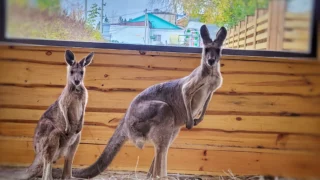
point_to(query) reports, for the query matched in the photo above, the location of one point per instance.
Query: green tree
(53, 6)
(221, 12)
(93, 14)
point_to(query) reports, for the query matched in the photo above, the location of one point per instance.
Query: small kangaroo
(58, 131)
(158, 112)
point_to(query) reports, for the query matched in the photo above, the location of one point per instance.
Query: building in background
(157, 32)
(162, 29)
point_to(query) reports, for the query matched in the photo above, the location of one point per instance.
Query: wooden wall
(264, 120)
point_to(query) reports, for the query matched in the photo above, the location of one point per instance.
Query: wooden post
(239, 27)
(255, 28)
(281, 20)
(234, 31)
(275, 24)
(245, 32)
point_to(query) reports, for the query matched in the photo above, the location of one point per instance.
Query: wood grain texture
(225, 123)
(12, 95)
(108, 78)
(236, 141)
(203, 161)
(267, 111)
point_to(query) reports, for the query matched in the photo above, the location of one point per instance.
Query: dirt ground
(127, 175)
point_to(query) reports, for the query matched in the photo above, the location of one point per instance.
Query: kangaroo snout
(76, 82)
(211, 61)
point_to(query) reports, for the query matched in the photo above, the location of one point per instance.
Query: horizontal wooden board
(49, 50)
(263, 18)
(261, 27)
(249, 47)
(156, 62)
(250, 40)
(236, 141)
(224, 123)
(298, 45)
(298, 16)
(297, 24)
(198, 162)
(261, 45)
(226, 104)
(241, 42)
(262, 36)
(242, 35)
(297, 34)
(108, 78)
(249, 32)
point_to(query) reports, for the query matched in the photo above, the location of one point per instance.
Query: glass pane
(278, 25)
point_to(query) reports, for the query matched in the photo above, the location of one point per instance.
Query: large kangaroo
(158, 112)
(59, 129)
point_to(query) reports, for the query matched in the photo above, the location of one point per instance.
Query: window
(157, 37)
(253, 25)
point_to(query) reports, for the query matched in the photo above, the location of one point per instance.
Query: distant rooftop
(157, 22)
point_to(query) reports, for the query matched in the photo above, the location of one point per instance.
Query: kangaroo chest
(202, 94)
(75, 108)
(75, 111)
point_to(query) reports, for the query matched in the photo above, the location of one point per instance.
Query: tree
(93, 14)
(120, 19)
(53, 6)
(106, 20)
(221, 12)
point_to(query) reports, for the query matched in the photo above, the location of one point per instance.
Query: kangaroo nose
(211, 61)
(77, 82)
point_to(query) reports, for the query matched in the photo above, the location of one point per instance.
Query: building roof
(137, 23)
(157, 22)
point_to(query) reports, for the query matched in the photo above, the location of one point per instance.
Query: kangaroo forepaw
(196, 122)
(189, 124)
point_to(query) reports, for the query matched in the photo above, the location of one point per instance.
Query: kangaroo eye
(81, 72)
(71, 72)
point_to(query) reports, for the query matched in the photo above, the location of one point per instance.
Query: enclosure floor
(129, 175)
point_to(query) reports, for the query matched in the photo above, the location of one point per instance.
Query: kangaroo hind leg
(51, 146)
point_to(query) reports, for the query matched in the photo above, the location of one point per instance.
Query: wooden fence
(265, 119)
(272, 29)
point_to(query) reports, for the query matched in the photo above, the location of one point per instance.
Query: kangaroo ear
(87, 60)
(221, 36)
(69, 57)
(205, 35)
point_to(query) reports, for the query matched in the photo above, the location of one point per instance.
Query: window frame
(313, 44)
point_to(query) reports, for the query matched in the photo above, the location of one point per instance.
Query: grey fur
(58, 131)
(158, 112)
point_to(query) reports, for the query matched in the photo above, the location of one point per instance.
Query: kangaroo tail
(110, 151)
(27, 173)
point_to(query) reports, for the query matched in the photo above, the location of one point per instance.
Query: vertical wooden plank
(245, 32)
(255, 28)
(272, 25)
(229, 41)
(238, 27)
(234, 31)
(281, 20)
